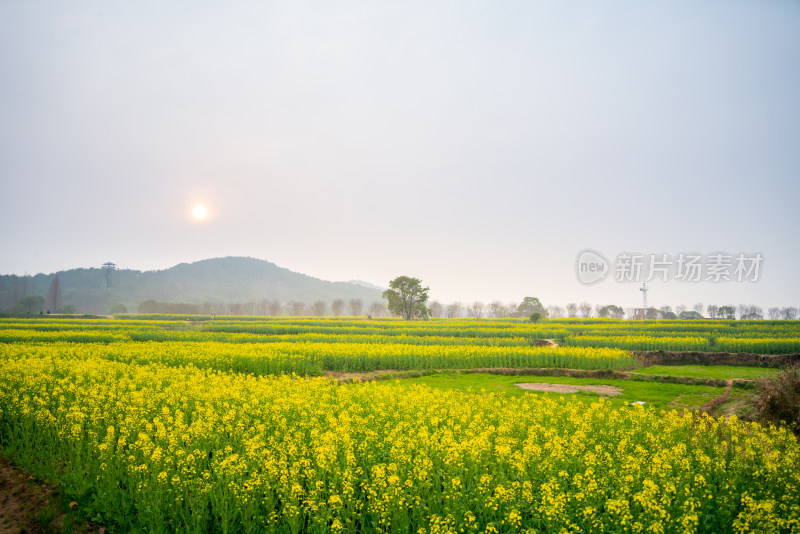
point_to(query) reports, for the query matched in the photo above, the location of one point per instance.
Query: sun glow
(200, 212)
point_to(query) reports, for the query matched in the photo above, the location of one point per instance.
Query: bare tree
(597, 309)
(679, 309)
(665, 309)
(712, 310)
(555, 312)
(296, 308)
(774, 313)
(274, 308)
(586, 309)
(337, 307)
(743, 310)
(790, 314)
(572, 310)
(699, 308)
(475, 310)
(454, 310)
(319, 308)
(511, 309)
(356, 306)
(495, 309)
(261, 307)
(377, 309)
(436, 309)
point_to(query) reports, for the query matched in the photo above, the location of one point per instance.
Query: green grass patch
(723, 372)
(657, 394)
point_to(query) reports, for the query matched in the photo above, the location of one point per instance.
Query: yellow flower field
(181, 449)
(167, 426)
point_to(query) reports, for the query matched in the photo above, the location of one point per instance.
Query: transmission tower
(643, 289)
(109, 267)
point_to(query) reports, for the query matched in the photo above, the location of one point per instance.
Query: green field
(724, 372)
(656, 394)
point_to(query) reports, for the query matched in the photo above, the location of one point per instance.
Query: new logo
(591, 267)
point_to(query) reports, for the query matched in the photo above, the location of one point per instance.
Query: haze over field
(477, 146)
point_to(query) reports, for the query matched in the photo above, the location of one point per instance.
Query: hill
(219, 281)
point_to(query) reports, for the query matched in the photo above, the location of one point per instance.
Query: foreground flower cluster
(165, 448)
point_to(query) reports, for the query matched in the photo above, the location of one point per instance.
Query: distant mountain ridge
(218, 280)
(362, 283)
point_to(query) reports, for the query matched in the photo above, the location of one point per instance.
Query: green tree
(119, 308)
(407, 298)
(148, 306)
(612, 310)
(726, 312)
(31, 304)
(53, 303)
(529, 306)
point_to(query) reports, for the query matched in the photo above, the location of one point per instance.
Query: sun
(200, 212)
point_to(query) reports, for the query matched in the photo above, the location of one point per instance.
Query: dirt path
(32, 507)
(714, 403)
(569, 388)
(21, 499)
(544, 343)
(366, 375)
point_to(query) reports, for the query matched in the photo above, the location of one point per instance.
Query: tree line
(264, 307)
(500, 310)
(19, 302)
(407, 298)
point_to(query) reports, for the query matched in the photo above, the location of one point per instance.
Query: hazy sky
(479, 146)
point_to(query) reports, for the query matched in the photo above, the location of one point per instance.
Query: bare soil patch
(569, 388)
(20, 500)
(30, 506)
(366, 375)
(716, 402)
(544, 343)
